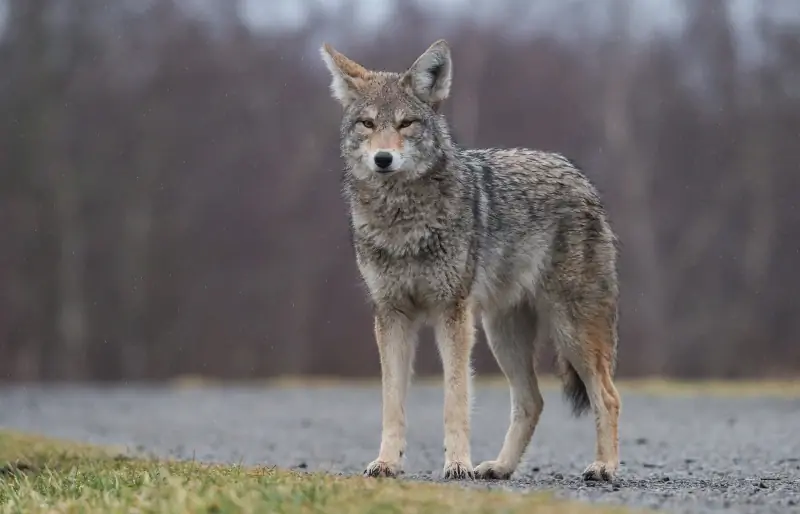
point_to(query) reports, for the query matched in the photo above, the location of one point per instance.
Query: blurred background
(169, 175)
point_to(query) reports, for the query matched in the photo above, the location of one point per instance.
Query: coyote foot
(456, 470)
(493, 470)
(601, 471)
(380, 468)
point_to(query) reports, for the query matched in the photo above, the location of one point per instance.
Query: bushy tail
(574, 388)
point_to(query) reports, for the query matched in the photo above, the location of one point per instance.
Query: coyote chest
(412, 266)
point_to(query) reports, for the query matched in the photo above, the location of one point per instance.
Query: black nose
(383, 160)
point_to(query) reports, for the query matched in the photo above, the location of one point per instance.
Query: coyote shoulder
(442, 234)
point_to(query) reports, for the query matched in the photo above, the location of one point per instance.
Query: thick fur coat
(444, 235)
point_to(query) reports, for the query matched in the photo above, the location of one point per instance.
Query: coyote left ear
(431, 74)
(348, 78)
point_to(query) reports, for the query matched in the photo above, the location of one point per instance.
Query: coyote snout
(387, 141)
(384, 160)
(443, 233)
(386, 150)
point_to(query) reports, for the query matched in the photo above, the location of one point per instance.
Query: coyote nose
(383, 160)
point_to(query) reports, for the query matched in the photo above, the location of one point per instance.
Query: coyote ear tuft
(348, 78)
(431, 74)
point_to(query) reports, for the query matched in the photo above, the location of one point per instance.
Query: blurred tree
(170, 186)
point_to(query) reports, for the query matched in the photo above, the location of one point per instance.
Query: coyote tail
(574, 388)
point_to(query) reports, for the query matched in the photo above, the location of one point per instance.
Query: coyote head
(390, 126)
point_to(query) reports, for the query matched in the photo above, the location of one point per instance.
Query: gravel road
(679, 454)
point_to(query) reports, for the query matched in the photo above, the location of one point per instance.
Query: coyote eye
(406, 123)
(368, 124)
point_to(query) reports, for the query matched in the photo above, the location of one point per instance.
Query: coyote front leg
(396, 338)
(455, 335)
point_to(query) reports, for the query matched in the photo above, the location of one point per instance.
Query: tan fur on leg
(511, 338)
(455, 336)
(396, 343)
(596, 368)
(435, 226)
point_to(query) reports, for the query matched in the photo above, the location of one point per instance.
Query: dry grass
(40, 475)
(789, 388)
(654, 386)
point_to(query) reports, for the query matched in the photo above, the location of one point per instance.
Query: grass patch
(39, 475)
(788, 388)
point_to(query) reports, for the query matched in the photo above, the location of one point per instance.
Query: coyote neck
(385, 204)
(402, 216)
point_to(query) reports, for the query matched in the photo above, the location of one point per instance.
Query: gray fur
(518, 235)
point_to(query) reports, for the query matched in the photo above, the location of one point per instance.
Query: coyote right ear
(347, 77)
(431, 74)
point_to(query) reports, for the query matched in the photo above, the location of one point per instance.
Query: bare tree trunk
(756, 162)
(26, 36)
(466, 104)
(66, 174)
(71, 322)
(304, 291)
(133, 259)
(637, 221)
(47, 160)
(757, 168)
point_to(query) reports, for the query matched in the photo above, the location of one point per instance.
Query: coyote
(442, 234)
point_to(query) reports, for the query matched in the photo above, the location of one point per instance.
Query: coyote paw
(456, 470)
(380, 468)
(601, 471)
(493, 470)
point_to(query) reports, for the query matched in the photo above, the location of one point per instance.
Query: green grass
(39, 475)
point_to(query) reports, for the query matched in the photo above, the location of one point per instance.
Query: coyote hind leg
(511, 336)
(586, 342)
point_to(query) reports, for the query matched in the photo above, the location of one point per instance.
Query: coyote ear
(431, 74)
(347, 77)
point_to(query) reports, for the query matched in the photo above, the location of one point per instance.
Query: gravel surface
(679, 454)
